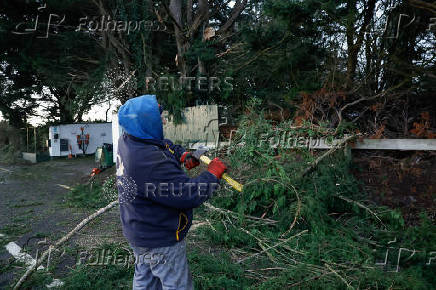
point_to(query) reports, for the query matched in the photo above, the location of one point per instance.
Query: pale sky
(97, 112)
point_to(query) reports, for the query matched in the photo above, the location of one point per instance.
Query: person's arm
(177, 149)
(173, 188)
(182, 155)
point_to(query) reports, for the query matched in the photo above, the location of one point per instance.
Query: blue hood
(140, 117)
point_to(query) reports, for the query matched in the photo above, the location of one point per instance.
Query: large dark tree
(39, 42)
(17, 94)
(363, 62)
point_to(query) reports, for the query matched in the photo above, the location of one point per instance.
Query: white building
(61, 137)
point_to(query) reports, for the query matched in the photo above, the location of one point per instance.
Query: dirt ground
(34, 214)
(33, 211)
(403, 180)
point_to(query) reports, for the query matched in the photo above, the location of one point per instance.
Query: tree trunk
(354, 46)
(186, 32)
(66, 113)
(182, 45)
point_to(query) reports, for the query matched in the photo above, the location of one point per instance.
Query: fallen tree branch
(361, 206)
(272, 247)
(261, 244)
(62, 240)
(310, 279)
(340, 277)
(297, 212)
(379, 95)
(226, 211)
(315, 163)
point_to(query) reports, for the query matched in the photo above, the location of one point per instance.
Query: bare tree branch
(202, 15)
(62, 240)
(237, 9)
(423, 5)
(175, 12)
(189, 13)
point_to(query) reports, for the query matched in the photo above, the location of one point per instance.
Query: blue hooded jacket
(156, 196)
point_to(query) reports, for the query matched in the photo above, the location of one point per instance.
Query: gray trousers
(162, 268)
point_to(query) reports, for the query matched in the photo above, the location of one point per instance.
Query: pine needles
(324, 235)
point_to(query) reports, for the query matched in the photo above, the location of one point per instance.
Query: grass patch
(3, 242)
(33, 172)
(105, 276)
(217, 272)
(29, 204)
(63, 223)
(8, 265)
(86, 196)
(38, 280)
(99, 277)
(95, 195)
(21, 219)
(14, 230)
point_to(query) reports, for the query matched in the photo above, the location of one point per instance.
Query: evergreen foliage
(326, 236)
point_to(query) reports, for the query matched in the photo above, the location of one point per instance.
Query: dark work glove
(189, 161)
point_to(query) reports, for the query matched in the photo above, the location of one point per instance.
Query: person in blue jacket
(156, 196)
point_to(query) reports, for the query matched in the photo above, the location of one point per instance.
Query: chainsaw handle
(233, 183)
